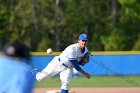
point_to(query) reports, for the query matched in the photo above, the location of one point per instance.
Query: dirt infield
(92, 90)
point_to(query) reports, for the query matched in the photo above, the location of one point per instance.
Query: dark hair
(17, 49)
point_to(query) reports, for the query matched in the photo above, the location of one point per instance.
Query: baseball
(49, 51)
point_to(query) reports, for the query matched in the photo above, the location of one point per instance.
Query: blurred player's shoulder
(13, 63)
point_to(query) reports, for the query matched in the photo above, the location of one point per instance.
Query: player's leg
(50, 70)
(65, 77)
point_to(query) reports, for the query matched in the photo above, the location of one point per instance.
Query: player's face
(83, 43)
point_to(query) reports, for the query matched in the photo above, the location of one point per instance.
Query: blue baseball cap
(83, 37)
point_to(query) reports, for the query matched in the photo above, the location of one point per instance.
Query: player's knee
(41, 76)
(65, 85)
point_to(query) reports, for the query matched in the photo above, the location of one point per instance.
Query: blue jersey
(15, 76)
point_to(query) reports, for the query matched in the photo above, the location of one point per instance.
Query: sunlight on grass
(95, 81)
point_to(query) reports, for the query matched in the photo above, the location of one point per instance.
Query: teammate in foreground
(15, 71)
(73, 56)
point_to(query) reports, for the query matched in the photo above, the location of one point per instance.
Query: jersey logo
(73, 48)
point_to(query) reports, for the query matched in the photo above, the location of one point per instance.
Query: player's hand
(84, 73)
(87, 75)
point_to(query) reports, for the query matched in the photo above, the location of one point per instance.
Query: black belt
(63, 63)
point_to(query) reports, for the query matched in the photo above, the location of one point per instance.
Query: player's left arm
(72, 58)
(78, 68)
(75, 64)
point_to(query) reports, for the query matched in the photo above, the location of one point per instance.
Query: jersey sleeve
(72, 53)
(75, 64)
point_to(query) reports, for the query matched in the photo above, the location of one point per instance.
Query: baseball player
(73, 56)
(15, 69)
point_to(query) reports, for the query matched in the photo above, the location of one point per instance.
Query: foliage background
(113, 25)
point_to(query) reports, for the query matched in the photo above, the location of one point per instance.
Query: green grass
(95, 81)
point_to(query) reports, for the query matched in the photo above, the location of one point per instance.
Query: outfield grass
(95, 81)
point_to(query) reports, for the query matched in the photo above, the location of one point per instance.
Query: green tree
(111, 24)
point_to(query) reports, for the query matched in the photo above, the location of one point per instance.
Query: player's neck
(81, 48)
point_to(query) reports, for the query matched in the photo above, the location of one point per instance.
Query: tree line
(112, 25)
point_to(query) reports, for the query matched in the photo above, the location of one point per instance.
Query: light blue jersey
(15, 76)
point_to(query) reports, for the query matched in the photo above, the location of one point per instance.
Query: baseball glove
(85, 59)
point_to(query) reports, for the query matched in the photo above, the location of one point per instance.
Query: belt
(63, 63)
